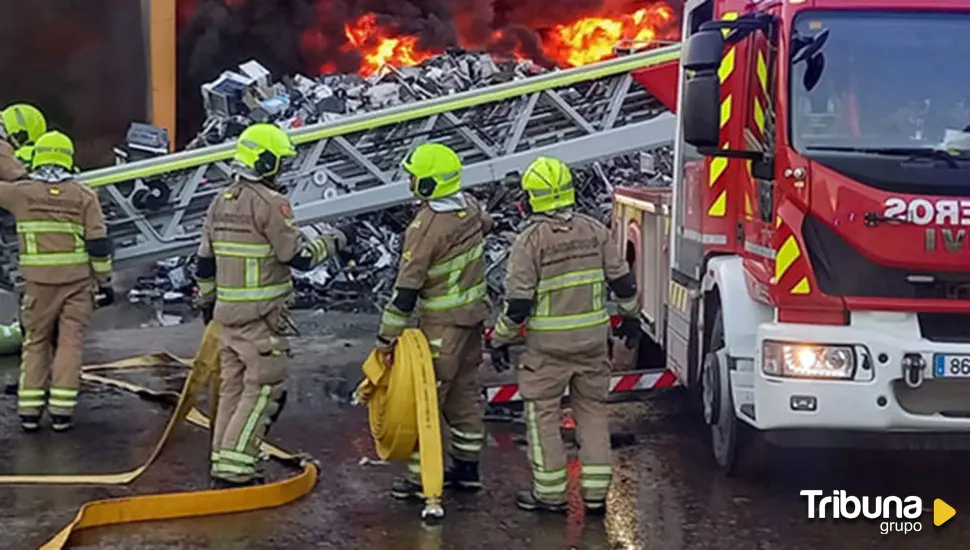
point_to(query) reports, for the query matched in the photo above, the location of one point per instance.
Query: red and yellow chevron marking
(791, 264)
(755, 128)
(719, 165)
(760, 95)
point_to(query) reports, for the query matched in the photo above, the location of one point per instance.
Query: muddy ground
(667, 494)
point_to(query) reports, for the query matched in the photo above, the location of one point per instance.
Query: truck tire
(730, 437)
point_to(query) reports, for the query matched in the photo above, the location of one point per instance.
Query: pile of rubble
(239, 98)
(366, 283)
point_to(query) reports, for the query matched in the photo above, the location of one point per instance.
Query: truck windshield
(891, 84)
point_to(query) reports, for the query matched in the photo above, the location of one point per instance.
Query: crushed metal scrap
(240, 97)
(365, 284)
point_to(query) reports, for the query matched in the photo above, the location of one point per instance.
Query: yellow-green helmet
(25, 154)
(53, 149)
(23, 123)
(262, 148)
(435, 171)
(549, 185)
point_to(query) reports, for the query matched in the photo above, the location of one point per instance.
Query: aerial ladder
(154, 208)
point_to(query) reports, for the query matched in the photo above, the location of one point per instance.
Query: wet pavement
(666, 495)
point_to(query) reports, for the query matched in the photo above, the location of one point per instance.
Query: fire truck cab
(808, 274)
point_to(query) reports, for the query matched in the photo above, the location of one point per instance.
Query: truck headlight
(808, 360)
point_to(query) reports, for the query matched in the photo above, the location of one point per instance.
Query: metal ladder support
(351, 166)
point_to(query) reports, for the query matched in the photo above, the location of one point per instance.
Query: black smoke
(307, 36)
(82, 62)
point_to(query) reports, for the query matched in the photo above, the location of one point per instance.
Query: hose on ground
(402, 401)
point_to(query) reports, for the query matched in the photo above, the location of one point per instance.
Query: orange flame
(379, 48)
(592, 39)
(581, 42)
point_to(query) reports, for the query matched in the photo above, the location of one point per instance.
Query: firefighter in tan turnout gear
(20, 127)
(250, 241)
(441, 275)
(558, 271)
(65, 259)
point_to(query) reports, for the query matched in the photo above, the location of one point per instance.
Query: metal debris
(239, 98)
(366, 283)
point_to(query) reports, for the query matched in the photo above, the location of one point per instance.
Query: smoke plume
(308, 36)
(82, 62)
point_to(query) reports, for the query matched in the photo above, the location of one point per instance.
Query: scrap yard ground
(666, 493)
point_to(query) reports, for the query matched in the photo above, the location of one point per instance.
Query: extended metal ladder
(154, 208)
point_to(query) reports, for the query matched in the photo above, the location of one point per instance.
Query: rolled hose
(11, 338)
(402, 402)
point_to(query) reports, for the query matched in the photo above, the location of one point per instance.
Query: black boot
(30, 422)
(404, 489)
(61, 423)
(595, 507)
(220, 483)
(527, 501)
(463, 475)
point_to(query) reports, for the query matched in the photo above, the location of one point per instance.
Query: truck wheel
(729, 435)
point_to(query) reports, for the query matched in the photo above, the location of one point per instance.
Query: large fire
(378, 47)
(580, 42)
(592, 39)
(339, 36)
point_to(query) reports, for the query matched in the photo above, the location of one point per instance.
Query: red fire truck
(809, 272)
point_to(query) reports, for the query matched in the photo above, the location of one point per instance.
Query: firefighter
(558, 269)
(65, 259)
(250, 241)
(442, 264)
(20, 126)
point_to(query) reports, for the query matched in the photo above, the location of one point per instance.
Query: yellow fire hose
(402, 403)
(205, 369)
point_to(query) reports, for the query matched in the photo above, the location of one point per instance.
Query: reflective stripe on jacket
(590, 315)
(252, 257)
(60, 229)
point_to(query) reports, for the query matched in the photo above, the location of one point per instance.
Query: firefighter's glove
(346, 238)
(629, 331)
(208, 309)
(501, 358)
(105, 296)
(385, 349)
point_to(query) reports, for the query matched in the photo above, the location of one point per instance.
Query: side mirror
(703, 51)
(701, 115)
(813, 71)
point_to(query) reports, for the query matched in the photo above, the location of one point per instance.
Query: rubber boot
(30, 422)
(463, 475)
(220, 483)
(595, 507)
(405, 488)
(61, 423)
(528, 501)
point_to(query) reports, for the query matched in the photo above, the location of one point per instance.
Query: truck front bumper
(876, 398)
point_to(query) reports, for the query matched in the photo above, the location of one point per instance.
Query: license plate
(951, 366)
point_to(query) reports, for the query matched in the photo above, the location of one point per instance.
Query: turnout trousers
(457, 355)
(254, 363)
(542, 382)
(48, 312)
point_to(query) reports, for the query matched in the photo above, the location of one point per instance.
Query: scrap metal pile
(237, 99)
(365, 284)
